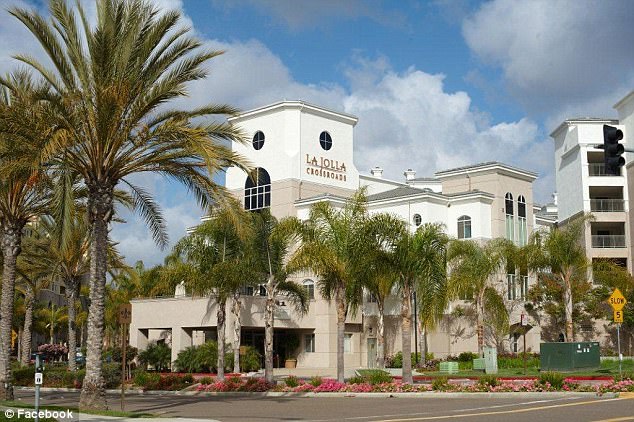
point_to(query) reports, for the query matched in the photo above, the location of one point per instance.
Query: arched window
(309, 285)
(417, 220)
(521, 220)
(258, 140)
(257, 190)
(508, 209)
(464, 227)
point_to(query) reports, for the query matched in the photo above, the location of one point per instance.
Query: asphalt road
(356, 409)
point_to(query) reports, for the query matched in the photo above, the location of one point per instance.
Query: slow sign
(617, 300)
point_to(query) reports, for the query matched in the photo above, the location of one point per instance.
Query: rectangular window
(347, 343)
(511, 293)
(510, 229)
(523, 234)
(309, 343)
(310, 290)
(524, 286)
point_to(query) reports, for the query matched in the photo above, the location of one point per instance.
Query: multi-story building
(305, 154)
(583, 185)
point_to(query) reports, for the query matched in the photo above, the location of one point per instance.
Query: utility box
(569, 356)
(490, 360)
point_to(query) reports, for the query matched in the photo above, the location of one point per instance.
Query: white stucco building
(584, 187)
(305, 154)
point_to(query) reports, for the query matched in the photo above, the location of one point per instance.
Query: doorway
(371, 353)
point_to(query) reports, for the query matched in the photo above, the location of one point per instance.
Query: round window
(258, 140)
(325, 140)
(418, 219)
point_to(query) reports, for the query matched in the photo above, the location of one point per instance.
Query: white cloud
(406, 119)
(563, 56)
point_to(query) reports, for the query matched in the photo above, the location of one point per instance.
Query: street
(326, 409)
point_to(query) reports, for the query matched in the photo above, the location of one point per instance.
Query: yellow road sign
(618, 316)
(617, 300)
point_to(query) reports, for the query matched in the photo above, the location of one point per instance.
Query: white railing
(607, 205)
(608, 241)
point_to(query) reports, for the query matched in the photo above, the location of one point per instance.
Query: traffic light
(613, 150)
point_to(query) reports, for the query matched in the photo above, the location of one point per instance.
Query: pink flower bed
(331, 385)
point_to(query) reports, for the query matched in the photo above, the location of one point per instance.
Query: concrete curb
(425, 394)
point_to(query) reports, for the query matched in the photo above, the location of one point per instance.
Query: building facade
(304, 154)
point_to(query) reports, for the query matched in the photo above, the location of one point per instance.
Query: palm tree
(24, 192)
(107, 85)
(382, 232)
(561, 253)
(334, 248)
(212, 261)
(51, 319)
(418, 259)
(472, 266)
(272, 244)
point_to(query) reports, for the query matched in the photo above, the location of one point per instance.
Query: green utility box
(569, 356)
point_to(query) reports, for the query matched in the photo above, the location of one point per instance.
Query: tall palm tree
(333, 247)
(382, 232)
(418, 259)
(272, 244)
(212, 261)
(107, 85)
(472, 268)
(561, 253)
(25, 192)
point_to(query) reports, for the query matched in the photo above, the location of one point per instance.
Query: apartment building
(583, 185)
(304, 154)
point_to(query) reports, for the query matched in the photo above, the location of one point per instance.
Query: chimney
(377, 172)
(409, 175)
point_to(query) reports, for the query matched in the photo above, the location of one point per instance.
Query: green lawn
(608, 368)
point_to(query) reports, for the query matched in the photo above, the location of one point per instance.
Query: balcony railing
(607, 205)
(608, 241)
(598, 169)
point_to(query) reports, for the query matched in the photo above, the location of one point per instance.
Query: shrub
(111, 374)
(440, 384)
(316, 381)
(396, 360)
(488, 381)
(158, 355)
(147, 380)
(377, 376)
(113, 354)
(206, 380)
(250, 361)
(24, 375)
(626, 375)
(555, 379)
(467, 357)
(357, 379)
(291, 381)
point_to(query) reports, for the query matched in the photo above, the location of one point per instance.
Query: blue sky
(435, 84)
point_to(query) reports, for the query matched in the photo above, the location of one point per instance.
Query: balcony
(607, 205)
(598, 169)
(608, 241)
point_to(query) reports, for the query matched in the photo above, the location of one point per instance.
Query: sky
(436, 84)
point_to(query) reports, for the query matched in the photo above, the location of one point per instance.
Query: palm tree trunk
(406, 331)
(423, 345)
(480, 323)
(71, 298)
(19, 344)
(221, 315)
(29, 303)
(100, 208)
(340, 303)
(269, 322)
(568, 312)
(237, 331)
(11, 240)
(380, 335)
